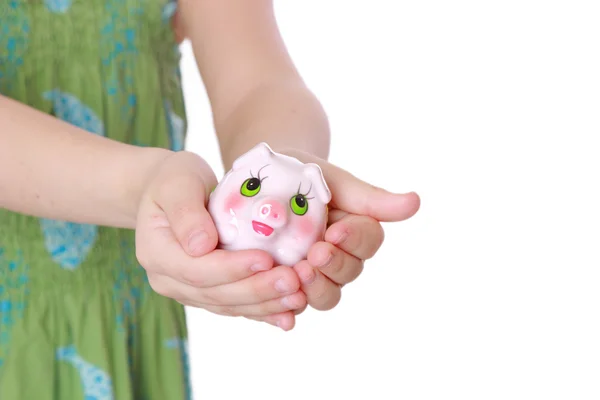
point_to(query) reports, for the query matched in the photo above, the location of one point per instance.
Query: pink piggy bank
(272, 202)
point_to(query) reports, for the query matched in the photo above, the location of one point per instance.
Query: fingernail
(327, 261)
(197, 240)
(341, 237)
(309, 277)
(286, 303)
(279, 324)
(259, 267)
(282, 286)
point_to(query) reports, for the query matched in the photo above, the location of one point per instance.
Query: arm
(51, 169)
(257, 95)
(254, 88)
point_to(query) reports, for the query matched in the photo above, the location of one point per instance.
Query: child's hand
(354, 233)
(176, 241)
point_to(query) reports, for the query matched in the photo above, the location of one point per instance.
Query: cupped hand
(176, 243)
(354, 233)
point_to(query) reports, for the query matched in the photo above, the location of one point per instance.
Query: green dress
(78, 319)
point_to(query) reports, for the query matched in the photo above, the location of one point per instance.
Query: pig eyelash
(305, 194)
(259, 178)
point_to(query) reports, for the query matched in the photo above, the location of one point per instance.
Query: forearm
(284, 116)
(254, 88)
(51, 169)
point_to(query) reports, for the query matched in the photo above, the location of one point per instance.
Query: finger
(158, 251)
(300, 310)
(321, 293)
(285, 321)
(358, 235)
(292, 302)
(169, 287)
(221, 267)
(183, 198)
(334, 215)
(334, 263)
(276, 283)
(358, 197)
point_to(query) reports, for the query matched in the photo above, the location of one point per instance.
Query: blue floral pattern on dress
(14, 276)
(176, 127)
(181, 344)
(95, 382)
(169, 10)
(118, 47)
(68, 243)
(70, 109)
(14, 38)
(58, 6)
(130, 289)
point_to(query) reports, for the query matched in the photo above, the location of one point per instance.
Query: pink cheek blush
(234, 202)
(304, 227)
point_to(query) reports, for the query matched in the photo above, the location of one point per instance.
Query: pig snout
(272, 211)
(269, 214)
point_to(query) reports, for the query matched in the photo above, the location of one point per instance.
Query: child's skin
(256, 95)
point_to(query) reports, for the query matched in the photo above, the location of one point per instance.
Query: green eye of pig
(299, 204)
(250, 187)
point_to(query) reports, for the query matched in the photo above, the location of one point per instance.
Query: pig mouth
(261, 228)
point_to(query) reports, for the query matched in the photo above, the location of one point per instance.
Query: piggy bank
(272, 202)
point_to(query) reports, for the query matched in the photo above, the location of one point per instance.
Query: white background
(490, 111)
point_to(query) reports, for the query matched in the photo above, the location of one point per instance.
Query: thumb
(183, 194)
(358, 197)
(350, 194)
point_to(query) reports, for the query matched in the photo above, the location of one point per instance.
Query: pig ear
(261, 151)
(319, 186)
